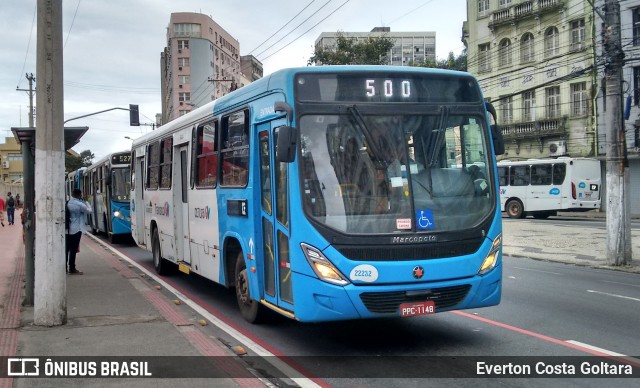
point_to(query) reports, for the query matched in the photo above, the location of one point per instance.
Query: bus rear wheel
(515, 209)
(160, 264)
(250, 309)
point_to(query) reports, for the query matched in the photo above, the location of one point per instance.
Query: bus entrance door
(274, 221)
(180, 199)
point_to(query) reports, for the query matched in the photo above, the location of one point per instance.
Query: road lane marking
(249, 343)
(590, 350)
(623, 284)
(597, 349)
(614, 295)
(537, 270)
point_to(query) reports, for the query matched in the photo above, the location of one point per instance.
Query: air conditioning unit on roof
(557, 148)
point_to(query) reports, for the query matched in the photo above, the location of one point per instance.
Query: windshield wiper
(444, 116)
(380, 164)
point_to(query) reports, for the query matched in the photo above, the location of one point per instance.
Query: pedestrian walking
(11, 208)
(17, 200)
(76, 209)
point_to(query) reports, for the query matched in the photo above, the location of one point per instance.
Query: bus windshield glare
(354, 171)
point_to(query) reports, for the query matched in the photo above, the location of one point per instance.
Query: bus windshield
(397, 173)
(120, 184)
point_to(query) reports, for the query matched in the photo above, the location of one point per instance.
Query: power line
(72, 21)
(295, 28)
(33, 21)
(286, 24)
(301, 35)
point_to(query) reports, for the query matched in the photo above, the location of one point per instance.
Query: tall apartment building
(409, 48)
(535, 61)
(200, 63)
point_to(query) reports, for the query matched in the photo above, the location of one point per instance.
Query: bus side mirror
(496, 133)
(286, 145)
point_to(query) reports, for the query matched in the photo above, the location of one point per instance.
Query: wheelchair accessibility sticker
(424, 220)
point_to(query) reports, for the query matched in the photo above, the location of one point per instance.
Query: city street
(548, 309)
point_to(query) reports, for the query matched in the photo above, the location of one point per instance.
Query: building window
(636, 26)
(183, 44)
(551, 42)
(553, 102)
(506, 110)
(484, 57)
(483, 7)
(183, 62)
(579, 99)
(528, 106)
(504, 55)
(504, 3)
(577, 34)
(186, 29)
(184, 96)
(184, 79)
(527, 48)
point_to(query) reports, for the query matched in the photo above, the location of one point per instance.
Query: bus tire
(250, 309)
(515, 209)
(159, 263)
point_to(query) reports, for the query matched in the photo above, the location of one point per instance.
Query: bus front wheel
(515, 209)
(249, 308)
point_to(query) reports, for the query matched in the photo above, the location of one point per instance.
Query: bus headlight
(492, 258)
(119, 215)
(322, 266)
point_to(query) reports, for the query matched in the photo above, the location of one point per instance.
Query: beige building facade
(535, 61)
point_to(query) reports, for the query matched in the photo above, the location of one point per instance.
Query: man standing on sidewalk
(75, 219)
(11, 208)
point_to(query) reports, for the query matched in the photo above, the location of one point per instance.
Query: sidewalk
(546, 241)
(111, 311)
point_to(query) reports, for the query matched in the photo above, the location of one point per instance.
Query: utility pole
(617, 171)
(27, 209)
(50, 301)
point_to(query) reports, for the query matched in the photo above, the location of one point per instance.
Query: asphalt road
(548, 310)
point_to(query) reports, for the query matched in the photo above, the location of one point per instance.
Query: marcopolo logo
(203, 213)
(163, 210)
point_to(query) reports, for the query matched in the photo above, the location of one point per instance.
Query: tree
(350, 51)
(72, 163)
(452, 62)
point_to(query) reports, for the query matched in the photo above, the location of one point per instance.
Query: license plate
(417, 308)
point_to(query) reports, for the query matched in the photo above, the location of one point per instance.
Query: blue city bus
(108, 185)
(74, 180)
(330, 193)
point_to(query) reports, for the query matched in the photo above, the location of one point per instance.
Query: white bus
(541, 187)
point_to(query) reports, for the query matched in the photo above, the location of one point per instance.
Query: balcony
(536, 129)
(523, 10)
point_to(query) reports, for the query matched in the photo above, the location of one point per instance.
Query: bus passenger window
(207, 155)
(559, 172)
(503, 175)
(519, 176)
(235, 151)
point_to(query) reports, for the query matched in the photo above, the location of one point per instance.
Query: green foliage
(349, 51)
(72, 163)
(451, 63)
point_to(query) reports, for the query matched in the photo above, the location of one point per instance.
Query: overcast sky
(112, 49)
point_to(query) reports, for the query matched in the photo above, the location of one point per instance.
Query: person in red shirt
(2, 211)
